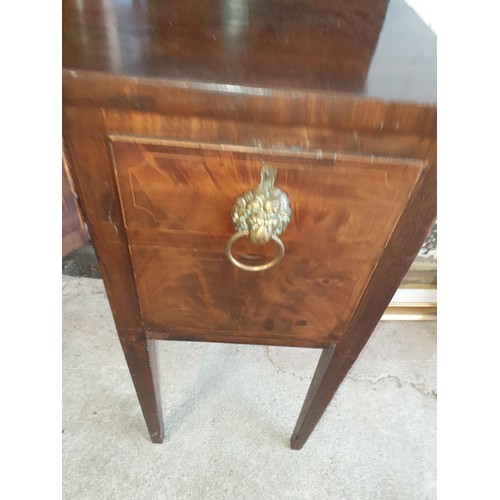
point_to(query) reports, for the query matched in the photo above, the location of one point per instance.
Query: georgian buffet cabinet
(250, 171)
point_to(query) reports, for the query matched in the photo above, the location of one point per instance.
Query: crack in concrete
(419, 387)
(281, 370)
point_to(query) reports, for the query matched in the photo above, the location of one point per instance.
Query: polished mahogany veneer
(170, 112)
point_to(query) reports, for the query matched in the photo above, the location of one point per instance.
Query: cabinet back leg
(141, 357)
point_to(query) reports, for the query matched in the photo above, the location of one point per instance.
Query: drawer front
(176, 201)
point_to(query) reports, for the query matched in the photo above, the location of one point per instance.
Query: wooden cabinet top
(374, 49)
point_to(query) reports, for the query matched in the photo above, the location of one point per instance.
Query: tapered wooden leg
(333, 365)
(335, 362)
(402, 248)
(142, 362)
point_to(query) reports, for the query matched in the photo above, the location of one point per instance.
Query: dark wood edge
(201, 85)
(338, 110)
(85, 130)
(242, 338)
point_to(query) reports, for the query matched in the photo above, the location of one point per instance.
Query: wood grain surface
(177, 200)
(375, 48)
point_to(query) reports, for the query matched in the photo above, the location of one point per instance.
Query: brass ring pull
(262, 214)
(247, 267)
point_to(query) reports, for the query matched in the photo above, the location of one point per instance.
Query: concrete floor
(229, 411)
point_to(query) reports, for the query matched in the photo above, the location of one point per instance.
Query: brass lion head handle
(263, 214)
(264, 211)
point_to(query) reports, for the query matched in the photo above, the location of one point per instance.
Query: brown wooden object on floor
(171, 111)
(74, 234)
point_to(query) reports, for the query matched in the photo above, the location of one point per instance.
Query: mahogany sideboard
(173, 110)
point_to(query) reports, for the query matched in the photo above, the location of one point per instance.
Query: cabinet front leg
(141, 357)
(333, 366)
(317, 399)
